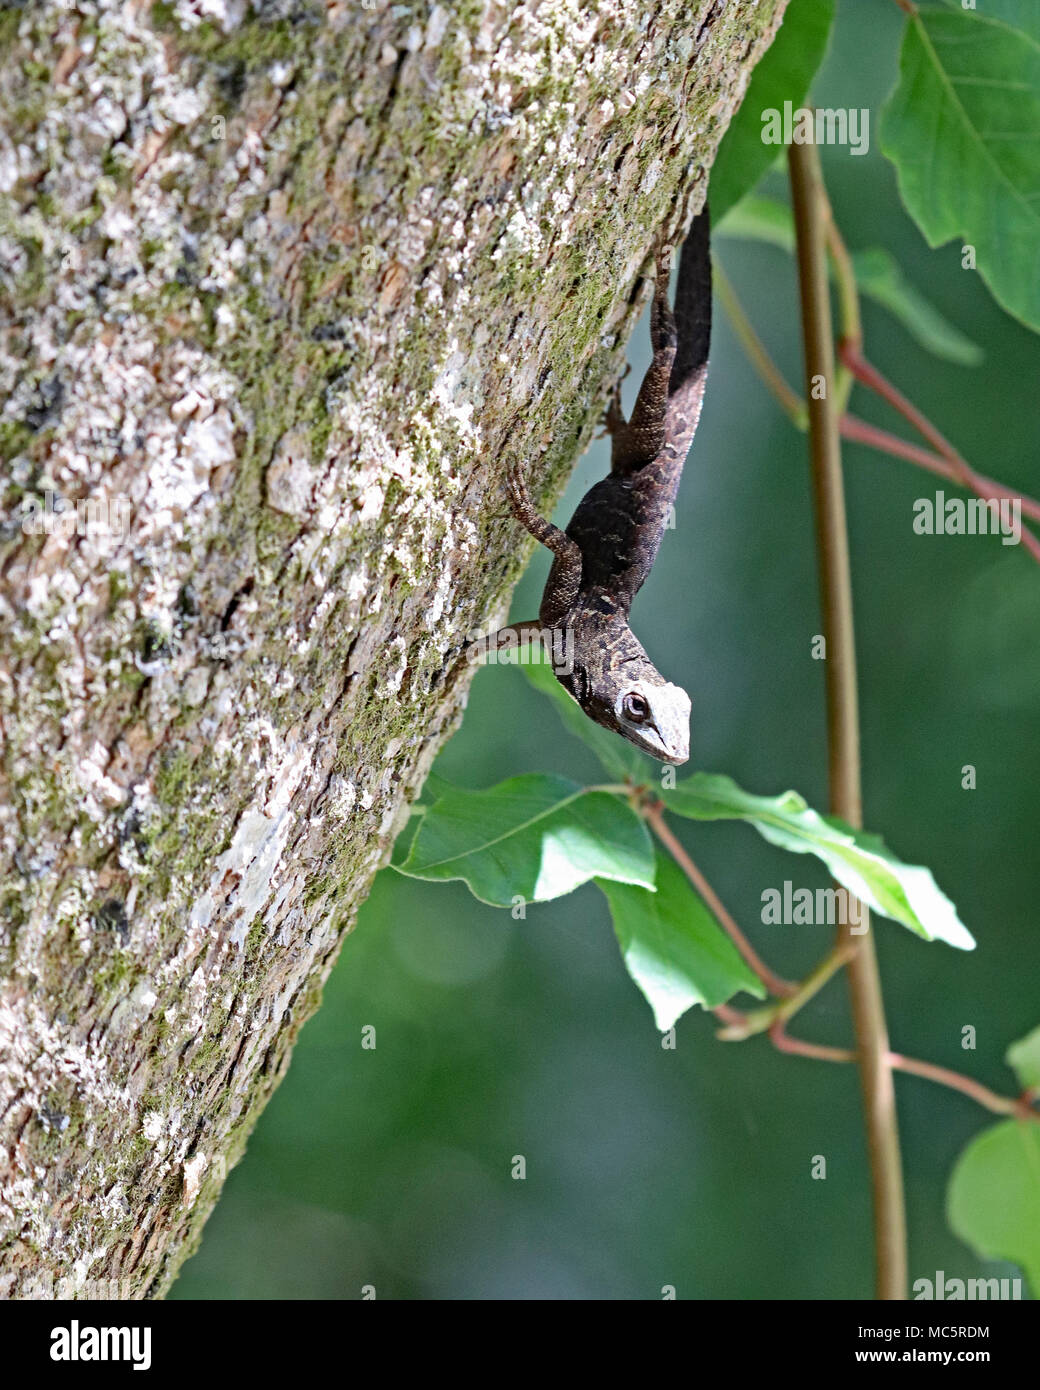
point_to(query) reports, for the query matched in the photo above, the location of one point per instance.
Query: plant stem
(948, 464)
(860, 432)
(655, 818)
(1000, 1105)
(798, 1048)
(790, 402)
(848, 299)
(869, 375)
(1019, 1106)
(810, 213)
(776, 1015)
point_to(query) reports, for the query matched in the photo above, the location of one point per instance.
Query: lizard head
(633, 699)
(653, 715)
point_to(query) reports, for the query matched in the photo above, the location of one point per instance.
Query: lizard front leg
(565, 575)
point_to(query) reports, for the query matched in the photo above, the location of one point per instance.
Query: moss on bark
(296, 283)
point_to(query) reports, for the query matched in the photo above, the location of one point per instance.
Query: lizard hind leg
(565, 575)
(644, 436)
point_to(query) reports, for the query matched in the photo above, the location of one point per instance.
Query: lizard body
(604, 556)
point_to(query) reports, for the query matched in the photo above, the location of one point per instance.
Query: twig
(775, 1015)
(773, 982)
(790, 402)
(869, 375)
(851, 426)
(1018, 1106)
(798, 1048)
(860, 432)
(810, 214)
(1000, 1105)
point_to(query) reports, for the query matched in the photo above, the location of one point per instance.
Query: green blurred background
(691, 1167)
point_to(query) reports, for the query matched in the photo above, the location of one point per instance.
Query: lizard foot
(519, 497)
(614, 418)
(663, 262)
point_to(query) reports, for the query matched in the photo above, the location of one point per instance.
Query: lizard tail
(693, 304)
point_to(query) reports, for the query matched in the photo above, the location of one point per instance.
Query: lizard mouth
(675, 755)
(676, 759)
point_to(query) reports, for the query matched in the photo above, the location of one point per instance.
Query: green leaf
(878, 277)
(403, 843)
(673, 948)
(783, 74)
(758, 218)
(963, 130)
(1023, 1057)
(533, 837)
(1017, 14)
(862, 862)
(993, 1200)
(434, 786)
(621, 760)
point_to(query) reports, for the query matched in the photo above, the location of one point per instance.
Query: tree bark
(286, 287)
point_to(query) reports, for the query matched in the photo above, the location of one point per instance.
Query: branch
(1018, 1106)
(860, 432)
(811, 217)
(869, 375)
(789, 400)
(851, 426)
(763, 1020)
(657, 822)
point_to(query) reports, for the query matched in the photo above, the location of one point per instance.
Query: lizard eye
(635, 708)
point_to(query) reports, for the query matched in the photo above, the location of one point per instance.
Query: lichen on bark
(286, 287)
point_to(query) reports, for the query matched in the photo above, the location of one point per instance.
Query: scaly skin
(607, 551)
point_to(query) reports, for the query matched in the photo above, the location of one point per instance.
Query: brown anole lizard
(603, 557)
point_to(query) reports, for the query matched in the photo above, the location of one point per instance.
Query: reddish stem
(773, 982)
(983, 487)
(784, 1043)
(1000, 1105)
(860, 432)
(1018, 1106)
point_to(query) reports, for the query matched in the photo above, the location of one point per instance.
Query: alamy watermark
(82, 1342)
(804, 125)
(53, 515)
(972, 516)
(804, 907)
(955, 1290)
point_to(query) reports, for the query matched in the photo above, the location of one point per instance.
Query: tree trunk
(286, 288)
